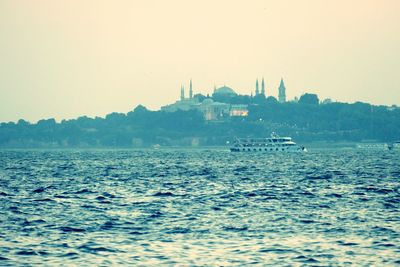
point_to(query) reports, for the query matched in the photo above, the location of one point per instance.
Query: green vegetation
(305, 121)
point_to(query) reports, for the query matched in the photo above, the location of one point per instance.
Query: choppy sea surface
(199, 208)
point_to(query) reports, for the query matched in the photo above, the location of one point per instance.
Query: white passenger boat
(270, 144)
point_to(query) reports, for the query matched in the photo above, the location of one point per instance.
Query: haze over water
(199, 208)
(65, 59)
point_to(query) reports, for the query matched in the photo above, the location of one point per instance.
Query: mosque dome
(224, 90)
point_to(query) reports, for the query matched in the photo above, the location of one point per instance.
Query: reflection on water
(199, 207)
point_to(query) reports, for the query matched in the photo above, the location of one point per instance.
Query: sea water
(199, 208)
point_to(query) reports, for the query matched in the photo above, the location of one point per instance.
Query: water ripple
(199, 208)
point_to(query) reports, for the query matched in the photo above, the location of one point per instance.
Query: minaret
(282, 92)
(263, 87)
(257, 91)
(182, 93)
(190, 90)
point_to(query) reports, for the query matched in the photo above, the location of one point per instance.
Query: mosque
(213, 110)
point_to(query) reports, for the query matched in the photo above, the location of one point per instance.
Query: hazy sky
(64, 59)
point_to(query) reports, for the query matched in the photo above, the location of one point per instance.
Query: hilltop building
(212, 110)
(224, 91)
(182, 93)
(239, 110)
(257, 91)
(190, 90)
(263, 87)
(184, 103)
(282, 92)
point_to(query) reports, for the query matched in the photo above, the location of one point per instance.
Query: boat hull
(269, 150)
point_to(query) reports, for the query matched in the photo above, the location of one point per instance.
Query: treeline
(306, 121)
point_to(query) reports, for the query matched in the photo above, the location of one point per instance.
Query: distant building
(212, 110)
(262, 87)
(282, 92)
(257, 91)
(183, 103)
(238, 111)
(224, 91)
(182, 93)
(190, 90)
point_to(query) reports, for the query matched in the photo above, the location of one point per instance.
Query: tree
(140, 109)
(47, 123)
(23, 122)
(199, 97)
(271, 100)
(259, 99)
(310, 99)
